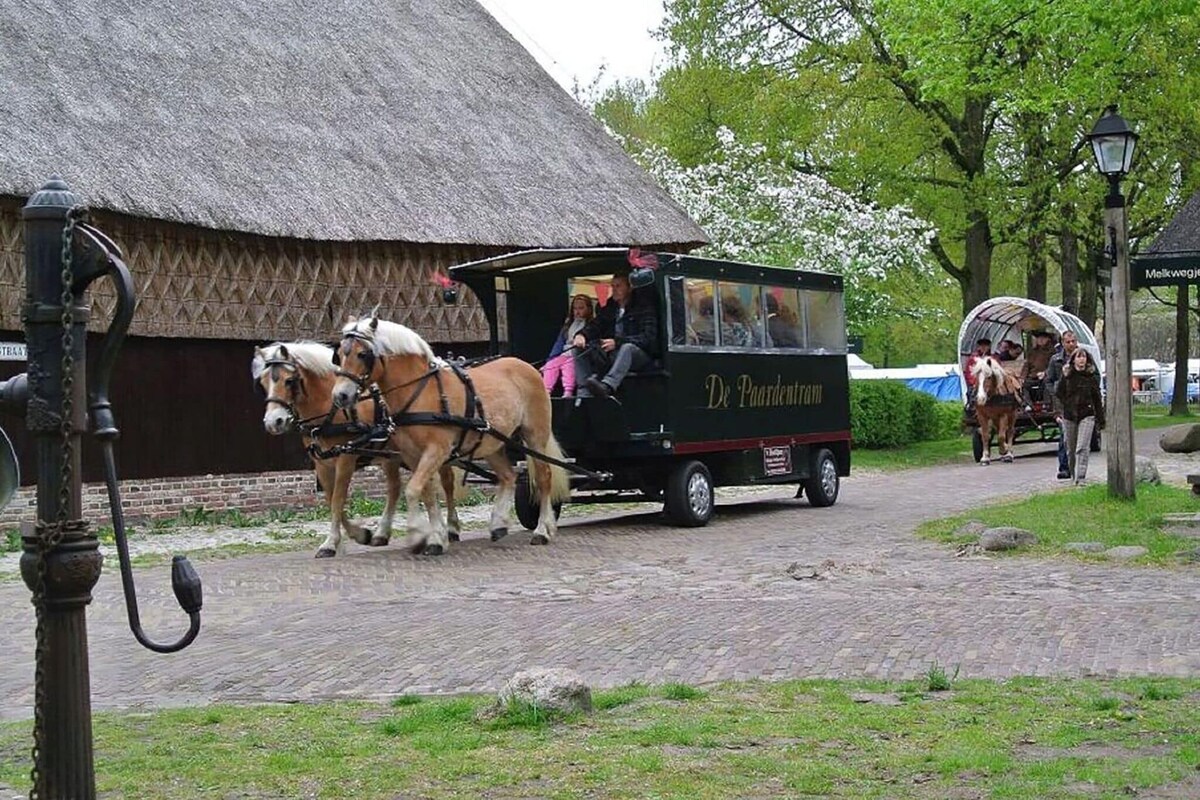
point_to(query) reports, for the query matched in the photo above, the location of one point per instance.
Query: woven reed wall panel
(197, 283)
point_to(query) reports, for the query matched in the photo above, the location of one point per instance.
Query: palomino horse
(297, 379)
(442, 416)
(996, 393)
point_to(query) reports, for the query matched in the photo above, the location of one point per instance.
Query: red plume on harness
(449, 287)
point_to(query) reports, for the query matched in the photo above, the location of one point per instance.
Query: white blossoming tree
(760, 210)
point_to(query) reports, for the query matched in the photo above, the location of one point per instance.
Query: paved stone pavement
(623, 597)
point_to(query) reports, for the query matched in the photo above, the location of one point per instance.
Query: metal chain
(50, 534)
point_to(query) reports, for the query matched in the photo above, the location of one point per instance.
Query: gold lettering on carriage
(745, 392)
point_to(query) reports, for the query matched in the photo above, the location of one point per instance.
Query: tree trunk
(1088, 296)
(976, 282)
(1035, 270)
(1182, 339)
(1068, 244)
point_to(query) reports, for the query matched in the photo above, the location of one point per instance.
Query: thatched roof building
(270, 168)
(390, 125)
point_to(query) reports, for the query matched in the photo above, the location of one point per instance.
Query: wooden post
(1117, 346)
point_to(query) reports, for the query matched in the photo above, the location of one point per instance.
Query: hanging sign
(1164, 271)
(13, 351)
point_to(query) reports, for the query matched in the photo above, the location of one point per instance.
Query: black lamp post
(1113, 142)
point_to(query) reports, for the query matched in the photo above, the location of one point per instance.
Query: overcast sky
(571, 39)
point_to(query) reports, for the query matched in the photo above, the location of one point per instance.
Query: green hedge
(889, 414)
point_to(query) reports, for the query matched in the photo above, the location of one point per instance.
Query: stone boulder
(971, 527)
(1145, 470)
(1181, 438)
(1125, 552)
(1005, 538)
(555, 691)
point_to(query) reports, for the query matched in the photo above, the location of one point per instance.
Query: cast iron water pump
(61, 560)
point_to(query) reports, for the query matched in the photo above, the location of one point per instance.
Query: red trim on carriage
(760, 441)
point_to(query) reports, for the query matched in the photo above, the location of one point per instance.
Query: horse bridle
(368, 359)
(295, 389)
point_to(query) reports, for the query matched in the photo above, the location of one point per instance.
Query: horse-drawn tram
(746, 381)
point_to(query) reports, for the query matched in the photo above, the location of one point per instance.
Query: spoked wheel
(976, 445)
(688, 500)
(822, 488)
(526, 506)
(1094, 445)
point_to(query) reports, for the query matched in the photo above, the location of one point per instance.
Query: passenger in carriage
(560, 364)
(782, 325)
(735, 326)
(1037, 361)
(622, 337)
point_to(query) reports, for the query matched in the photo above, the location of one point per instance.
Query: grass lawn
(918, 454)
(1146, 416)
(1023, 738)
(1087, 515)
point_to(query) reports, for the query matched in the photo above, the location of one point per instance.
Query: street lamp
(1112, 143)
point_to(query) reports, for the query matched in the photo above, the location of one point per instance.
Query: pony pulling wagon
(1032, 410)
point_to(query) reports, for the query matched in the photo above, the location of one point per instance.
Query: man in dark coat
(1054, 374)
(621, 338)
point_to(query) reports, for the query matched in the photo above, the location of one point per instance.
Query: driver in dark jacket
(621, 338)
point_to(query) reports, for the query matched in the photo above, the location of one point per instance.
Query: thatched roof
(413, 120)
(1181, 237)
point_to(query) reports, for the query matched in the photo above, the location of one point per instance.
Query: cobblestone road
(622, 597)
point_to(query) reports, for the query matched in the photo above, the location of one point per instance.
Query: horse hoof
(326, 552)
(378, 541)
(1007, 459)
(454, 537)
(433, 550)
(499, 533)
(539, 538)
(984, 462)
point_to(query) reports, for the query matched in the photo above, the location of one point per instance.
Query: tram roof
(596, 259)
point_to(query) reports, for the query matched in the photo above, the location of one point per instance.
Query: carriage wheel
(1094, 445)
(822, 488)
(976, 445)
(528, 508)
(688, 500)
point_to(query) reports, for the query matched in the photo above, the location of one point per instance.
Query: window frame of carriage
(676, 293)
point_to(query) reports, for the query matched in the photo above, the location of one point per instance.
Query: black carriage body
(751, 416)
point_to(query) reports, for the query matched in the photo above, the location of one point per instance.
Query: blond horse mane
(391, 338)
(313, 357)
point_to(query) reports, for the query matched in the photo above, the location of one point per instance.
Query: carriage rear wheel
(822, 488)
(528, 509)
(688, 500)
(1094, 445)
(976, 445)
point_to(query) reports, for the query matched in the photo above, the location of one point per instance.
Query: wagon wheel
(1094, 445)
(527, 507)
(822, 488)
(688, 500)
(976, 445)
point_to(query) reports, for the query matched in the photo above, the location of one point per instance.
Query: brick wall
(168, 497)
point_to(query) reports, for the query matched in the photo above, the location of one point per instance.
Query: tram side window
(785, 318)
(701, 313)
(741, 318)
(826, 321)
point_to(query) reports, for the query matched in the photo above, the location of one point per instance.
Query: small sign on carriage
(777, 460)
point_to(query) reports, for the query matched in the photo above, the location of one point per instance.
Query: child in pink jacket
(561, 361)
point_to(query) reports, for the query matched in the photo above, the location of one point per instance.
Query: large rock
(1006, 539)
(1125, 552)
(555, 691)
(1145, 470)
(1181, 438)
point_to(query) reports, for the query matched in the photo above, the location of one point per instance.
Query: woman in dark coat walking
(1081, 408)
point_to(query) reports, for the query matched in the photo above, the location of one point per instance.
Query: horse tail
(560, 484)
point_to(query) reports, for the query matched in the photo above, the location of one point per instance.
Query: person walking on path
(1082, 410)
(1054, 374)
